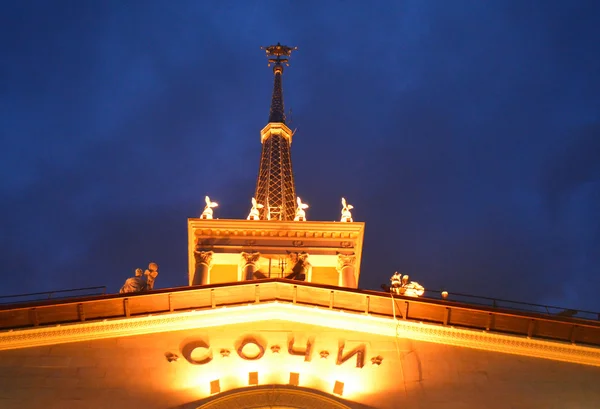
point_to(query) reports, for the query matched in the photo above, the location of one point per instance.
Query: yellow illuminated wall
(224, 274)
(325, 275)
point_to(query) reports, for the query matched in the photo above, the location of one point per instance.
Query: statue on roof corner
(346, 214)
(401, 285)
(254, 212)
(207, 213)
(300, 213)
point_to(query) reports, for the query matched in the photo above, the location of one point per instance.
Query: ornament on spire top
(207, 213)
(278, 51)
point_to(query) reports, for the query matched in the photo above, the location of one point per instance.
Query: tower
(275, 241)
(275, 188)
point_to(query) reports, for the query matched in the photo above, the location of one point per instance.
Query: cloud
(464, 134)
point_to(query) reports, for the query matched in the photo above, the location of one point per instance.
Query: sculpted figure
(207, 213)
(396, 280)
(300, 213)
(346, 214)
(411, 288)
(297, 266)
(134, 284)
(151, 275)
(254, 213)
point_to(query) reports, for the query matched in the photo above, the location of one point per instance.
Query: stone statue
(346, 214)
(134, 284)
(412, 288)
(297, 266)
(300, 213)
(396, 283)
(151, 275)
(207, 213)
(254, 213)
(401, 285)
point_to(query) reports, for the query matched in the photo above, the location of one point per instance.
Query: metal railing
(53, 295)
(489, 302)
(513, 305)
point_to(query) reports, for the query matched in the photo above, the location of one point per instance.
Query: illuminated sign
(251, 348)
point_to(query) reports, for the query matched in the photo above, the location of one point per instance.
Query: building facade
(272, 317)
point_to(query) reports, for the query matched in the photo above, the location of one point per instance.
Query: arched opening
(272, 397)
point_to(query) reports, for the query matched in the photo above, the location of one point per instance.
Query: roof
(426, 319)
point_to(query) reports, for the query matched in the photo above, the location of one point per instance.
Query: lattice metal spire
(277, 113)
(275, 186)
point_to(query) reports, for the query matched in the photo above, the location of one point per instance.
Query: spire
(275, 188)
(275, 52)
(277, 113)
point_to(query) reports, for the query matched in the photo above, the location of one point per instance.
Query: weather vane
(278, 51)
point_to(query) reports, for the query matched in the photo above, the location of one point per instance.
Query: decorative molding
(280, 397)
(345, 260)
(250, 258)
(204, 257)
(376, 360)
(171, 357)
(87, 331)
(311, 229)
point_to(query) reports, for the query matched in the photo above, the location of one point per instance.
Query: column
(249, 265)
(203, 266)
(345, 268)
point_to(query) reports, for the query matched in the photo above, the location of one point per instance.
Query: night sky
(465, 133)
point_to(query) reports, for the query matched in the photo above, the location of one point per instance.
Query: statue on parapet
(300, 213)
(346, 214)
(254, 212)
(401, 285)
(143, 281)
(207, 213)
(135, 284)
(151, 273)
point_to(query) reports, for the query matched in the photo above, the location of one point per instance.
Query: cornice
(262, 228)
(362, 323)
(276, 128)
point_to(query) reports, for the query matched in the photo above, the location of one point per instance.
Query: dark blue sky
(465, 133)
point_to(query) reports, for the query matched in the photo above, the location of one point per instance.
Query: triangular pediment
(175, 360)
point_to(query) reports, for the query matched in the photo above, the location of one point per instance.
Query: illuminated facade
(273, 318)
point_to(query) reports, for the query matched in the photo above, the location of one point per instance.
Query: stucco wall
(134, 372)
